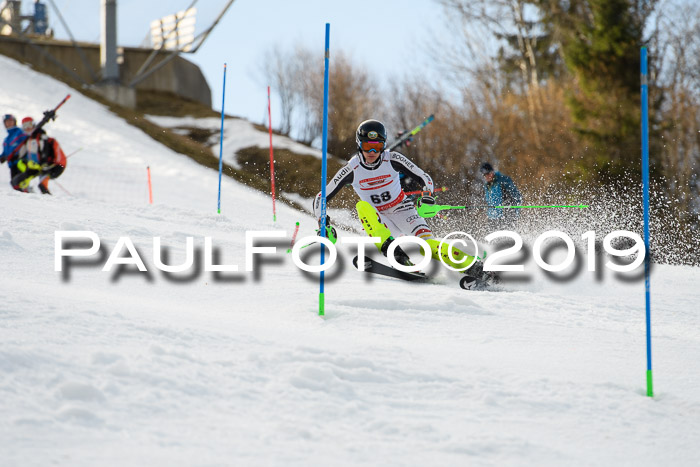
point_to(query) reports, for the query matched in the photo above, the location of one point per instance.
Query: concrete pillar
(13, 15)
(108, 42)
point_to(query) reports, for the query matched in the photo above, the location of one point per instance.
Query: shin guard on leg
(462, 260)
(370, 222)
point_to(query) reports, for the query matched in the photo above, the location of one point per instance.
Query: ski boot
(399, 255)
(477, 271)
(44, 186)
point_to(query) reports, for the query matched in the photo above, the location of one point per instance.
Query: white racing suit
(380, 186)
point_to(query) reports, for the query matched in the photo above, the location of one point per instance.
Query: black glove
(2, 159)
(328, 221)
(50, 115)
(426, 200)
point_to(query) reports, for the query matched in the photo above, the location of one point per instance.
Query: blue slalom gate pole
(324, 150)
(645, 190)
(221, 141)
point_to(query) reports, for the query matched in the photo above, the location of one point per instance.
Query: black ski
(374, 267)
(472, 283)
(48, 115)
(383, 270)
(409, 134)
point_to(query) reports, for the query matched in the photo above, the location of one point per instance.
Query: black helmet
(371, 134)
(370, 130)
(486, 168)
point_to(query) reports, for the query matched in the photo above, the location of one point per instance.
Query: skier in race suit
(374, 174)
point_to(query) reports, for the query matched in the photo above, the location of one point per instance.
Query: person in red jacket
(39, 155)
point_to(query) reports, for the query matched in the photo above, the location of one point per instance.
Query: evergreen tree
(599, 42)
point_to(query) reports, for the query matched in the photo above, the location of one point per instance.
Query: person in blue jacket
(15, 137)
(499, 190)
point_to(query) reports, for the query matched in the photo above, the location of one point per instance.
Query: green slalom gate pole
(580, 206)
(431, 210)
(645, 194)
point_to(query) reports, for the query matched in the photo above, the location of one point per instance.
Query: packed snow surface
(237, 368)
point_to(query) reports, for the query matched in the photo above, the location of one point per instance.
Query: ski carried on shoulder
(375, 267)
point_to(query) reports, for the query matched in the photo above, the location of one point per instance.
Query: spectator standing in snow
(499, 190)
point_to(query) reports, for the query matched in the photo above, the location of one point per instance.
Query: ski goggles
(369, 146)
(28, 125)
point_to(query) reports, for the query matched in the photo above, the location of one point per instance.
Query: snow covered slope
(238, 134)
(127, 368)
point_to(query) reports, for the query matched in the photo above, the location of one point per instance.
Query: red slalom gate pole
(150, 187)
(61, 187)
(272, 158)
(294, 236)
(419, 192)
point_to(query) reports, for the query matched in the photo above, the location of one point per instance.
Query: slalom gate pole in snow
(324, 150)
(61, 187)
(419, 192)
(431, 210)
(74, 153)
(150, 187)
(407, 135)
(272, 159)
(221, 141)
(294, 237)
(645, 194)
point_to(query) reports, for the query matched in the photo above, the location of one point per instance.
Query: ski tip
(472, 283)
